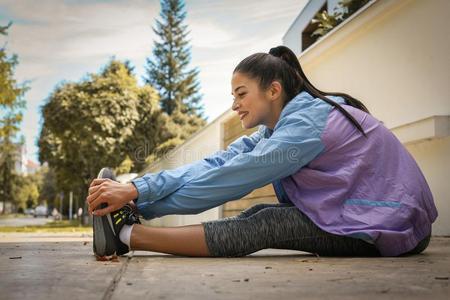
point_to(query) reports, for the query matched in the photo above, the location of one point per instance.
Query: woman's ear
(275, 90)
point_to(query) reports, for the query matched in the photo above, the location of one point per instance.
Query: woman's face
(253, 105)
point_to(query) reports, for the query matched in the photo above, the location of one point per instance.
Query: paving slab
(273, 273)
(50, 269)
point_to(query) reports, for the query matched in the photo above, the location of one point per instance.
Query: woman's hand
(115, 194)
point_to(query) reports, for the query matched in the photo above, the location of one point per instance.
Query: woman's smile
(243, 115)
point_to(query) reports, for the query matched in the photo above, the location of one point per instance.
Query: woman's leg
(293, 243)
(182, 240)
(282, 227)
(257, 207)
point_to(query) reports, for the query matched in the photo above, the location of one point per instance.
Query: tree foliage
(26, 191)
(178, 88)
(103, 120)
(48, 192)
(11, 107)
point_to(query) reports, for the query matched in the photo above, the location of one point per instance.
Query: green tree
(104, 120)
(47, 186)
(26, 190)
(178, 88)
(125, 166)
(11, 106)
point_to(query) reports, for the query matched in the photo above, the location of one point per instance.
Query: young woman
(346, 185)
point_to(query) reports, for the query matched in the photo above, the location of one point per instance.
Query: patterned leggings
(281, 226)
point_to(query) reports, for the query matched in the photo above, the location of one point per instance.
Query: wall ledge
(430, 128)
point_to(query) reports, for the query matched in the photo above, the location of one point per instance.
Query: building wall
(433, 157)
(20, 165)
(293, 35)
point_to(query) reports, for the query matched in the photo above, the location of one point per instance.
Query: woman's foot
(107, 228)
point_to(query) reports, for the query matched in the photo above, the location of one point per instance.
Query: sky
(59, 41)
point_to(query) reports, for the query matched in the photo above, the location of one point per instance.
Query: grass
(55, 226)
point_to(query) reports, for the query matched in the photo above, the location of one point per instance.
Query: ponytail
(288, 56)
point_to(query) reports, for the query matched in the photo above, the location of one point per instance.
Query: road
(24, 221)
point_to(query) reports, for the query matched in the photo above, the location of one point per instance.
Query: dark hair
(281, 64)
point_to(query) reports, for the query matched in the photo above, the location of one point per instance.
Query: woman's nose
(234, 106)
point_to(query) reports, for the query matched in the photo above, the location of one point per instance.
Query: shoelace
(127, 214)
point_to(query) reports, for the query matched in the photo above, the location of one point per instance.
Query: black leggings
(282, 226)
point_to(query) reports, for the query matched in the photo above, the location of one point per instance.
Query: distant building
(21, 159)
(23, 165)
(31, 167)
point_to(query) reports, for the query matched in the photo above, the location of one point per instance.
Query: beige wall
(433, 158)
(394, 56)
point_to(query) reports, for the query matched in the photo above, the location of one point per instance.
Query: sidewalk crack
(115, 282)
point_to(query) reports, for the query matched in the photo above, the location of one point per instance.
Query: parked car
(41, 210)
(29, 211)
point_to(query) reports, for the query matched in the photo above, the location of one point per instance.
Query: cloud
(63, 40)
(59, 31)
(205, 33)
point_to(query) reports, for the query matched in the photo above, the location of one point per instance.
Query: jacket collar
(297, 104)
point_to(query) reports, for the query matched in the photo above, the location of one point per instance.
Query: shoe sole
(104, 235)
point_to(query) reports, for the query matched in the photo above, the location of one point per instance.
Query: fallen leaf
(112, 258)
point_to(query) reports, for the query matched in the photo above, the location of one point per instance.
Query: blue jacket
(250, 162)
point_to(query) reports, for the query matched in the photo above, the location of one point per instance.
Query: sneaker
(107, 228)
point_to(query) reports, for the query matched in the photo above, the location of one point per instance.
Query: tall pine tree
(178, 89)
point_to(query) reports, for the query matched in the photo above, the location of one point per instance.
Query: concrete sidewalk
(49, 266)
